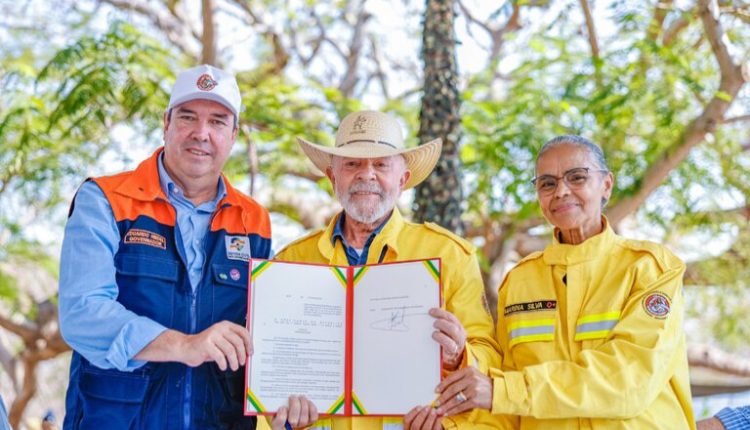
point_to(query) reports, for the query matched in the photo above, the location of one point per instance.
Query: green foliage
(56, 123)
(8, 288)
(723, 307)
(102, 80)
(636, 100)
(644, 99)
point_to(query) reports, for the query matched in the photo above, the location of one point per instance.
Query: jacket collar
(594, 247)
(144, 183)
(388, 236)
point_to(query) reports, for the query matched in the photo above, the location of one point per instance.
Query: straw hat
(371, 134)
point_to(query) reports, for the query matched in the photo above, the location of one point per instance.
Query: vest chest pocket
(112, 399)
(147, 285)
(229, 292)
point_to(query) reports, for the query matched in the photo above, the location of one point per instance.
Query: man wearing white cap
(369, 167)
(153, 276)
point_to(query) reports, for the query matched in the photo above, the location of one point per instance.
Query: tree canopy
(660, 85)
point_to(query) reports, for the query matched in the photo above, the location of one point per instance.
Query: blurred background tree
(660, 85)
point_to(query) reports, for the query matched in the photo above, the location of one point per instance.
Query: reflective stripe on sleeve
(531, 331)
(596, 326)
(322, 424)
(393, 424)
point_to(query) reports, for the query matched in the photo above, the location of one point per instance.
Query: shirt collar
(168, 185)
(590, 249)
(338, 229)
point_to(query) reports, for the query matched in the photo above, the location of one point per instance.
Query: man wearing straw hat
(369, 168)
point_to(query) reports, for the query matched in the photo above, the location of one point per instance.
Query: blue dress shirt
(4, 424)
(97, 325)
(192, 222)
(354, 257)
(735, 418)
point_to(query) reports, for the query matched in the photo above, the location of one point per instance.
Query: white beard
(364, 212)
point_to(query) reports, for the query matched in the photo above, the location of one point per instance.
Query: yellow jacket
(592, 338)
(463, 294)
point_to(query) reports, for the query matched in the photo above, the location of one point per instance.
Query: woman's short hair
(572, 139)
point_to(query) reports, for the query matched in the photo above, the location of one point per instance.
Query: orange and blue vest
(153, 282)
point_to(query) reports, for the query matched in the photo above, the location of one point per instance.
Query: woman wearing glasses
(590, 329)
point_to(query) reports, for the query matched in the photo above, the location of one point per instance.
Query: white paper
(298, 321)
(396, 362)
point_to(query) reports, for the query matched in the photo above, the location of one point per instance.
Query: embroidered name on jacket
(144, 237)
(540, 305)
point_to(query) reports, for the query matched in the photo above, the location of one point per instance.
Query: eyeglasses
(574, 178)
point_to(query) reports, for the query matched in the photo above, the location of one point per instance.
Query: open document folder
(353, 340)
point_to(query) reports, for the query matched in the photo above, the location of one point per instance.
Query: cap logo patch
(205, 82)
(657, 305)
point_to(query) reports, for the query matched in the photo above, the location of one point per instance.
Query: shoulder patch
(109, 183)
(661, 254)
(467, 246)
(533, 256)
(255, 216)
(313, 235)
(657, 305)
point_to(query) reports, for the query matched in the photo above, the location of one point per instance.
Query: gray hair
(571, 139)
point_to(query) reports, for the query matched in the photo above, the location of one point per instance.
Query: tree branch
(303, 174)
(471, 19)
(674, 30)
(174, 27)
(593, 42)
(497, 35)
(713, 358)
(740, 118)
(349, 80)
(26, 331)
(318, 41)
(740, 12)
(310, 214)
(280, 55)
(28, 390)
(379, 73)
(208, 39)
(732, 79)
(252, 159)
(7, 360)
(590, 29)
(657, 22)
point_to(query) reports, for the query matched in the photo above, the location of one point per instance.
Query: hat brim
(204, 96)
(419, 160)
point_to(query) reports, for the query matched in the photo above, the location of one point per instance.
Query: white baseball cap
(206, 83)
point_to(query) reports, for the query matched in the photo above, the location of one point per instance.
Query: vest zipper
(189, 373)
(187, 386)
(193, 328)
